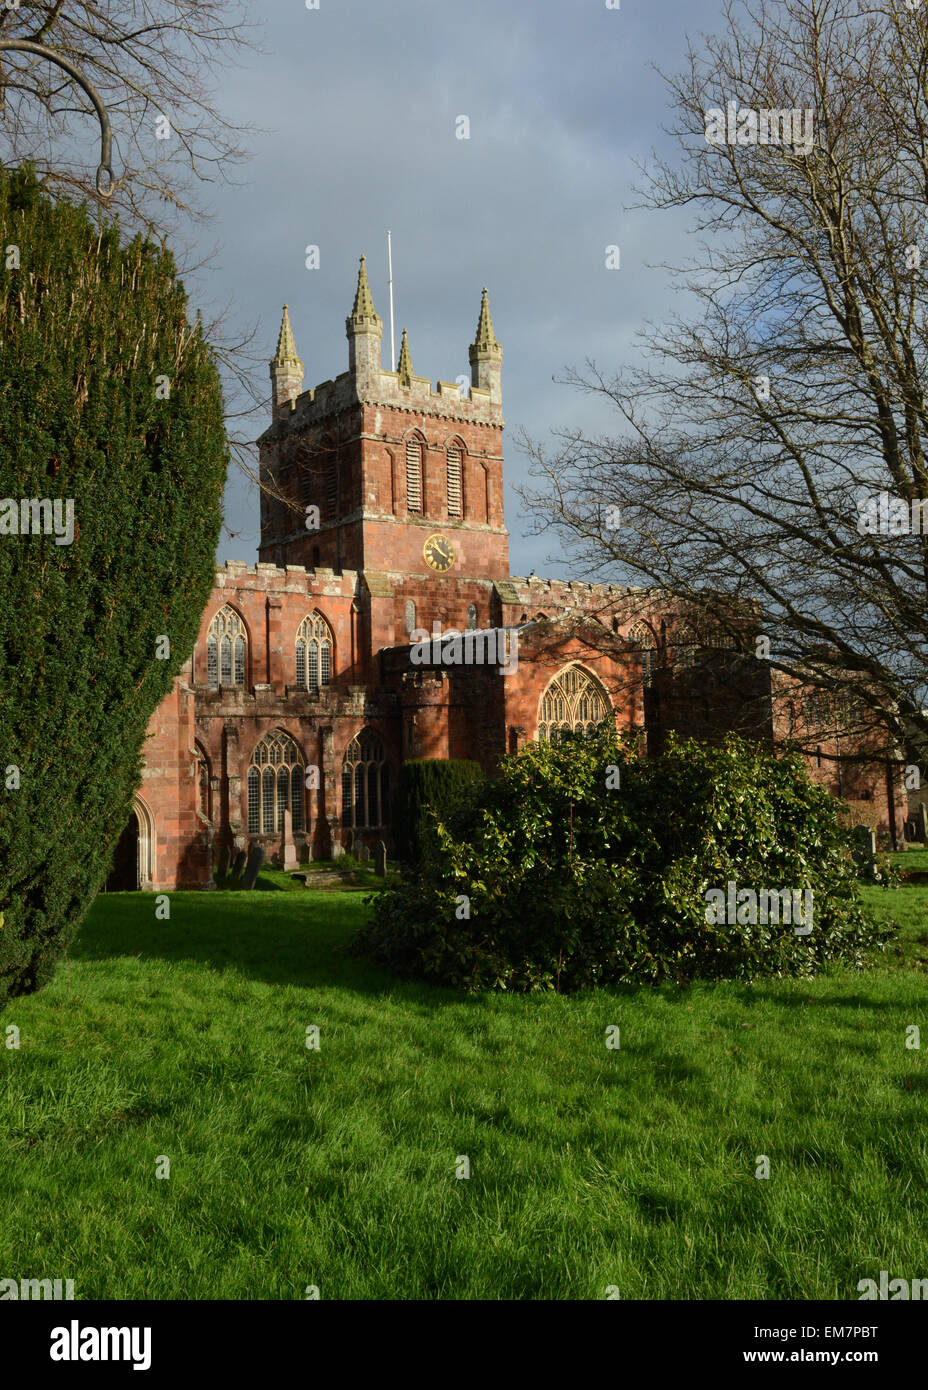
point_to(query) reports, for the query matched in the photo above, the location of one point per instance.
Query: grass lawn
(589, 1167)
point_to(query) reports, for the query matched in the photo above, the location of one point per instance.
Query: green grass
(589, 1167)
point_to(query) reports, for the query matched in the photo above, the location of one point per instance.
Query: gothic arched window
(685, 645)
(365, 782)
(722, 639)
(573, 702)
(225, 649)
(410, 616)
(472, 615)
(314, 648)
(275, 784)
(643, 639)
(414, 475)
(454, 480)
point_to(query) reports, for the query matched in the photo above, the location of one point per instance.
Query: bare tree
(773, 444)
(154, 64)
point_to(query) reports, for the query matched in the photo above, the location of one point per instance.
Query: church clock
(439, 553)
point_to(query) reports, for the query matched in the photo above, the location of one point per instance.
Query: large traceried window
(365, 782)
(275, 784)
(454, 480)
(225, 649)
(314, 646)
(414, 475)
(643, 639)
(574, 702)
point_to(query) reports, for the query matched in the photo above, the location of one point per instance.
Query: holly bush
(583, 863)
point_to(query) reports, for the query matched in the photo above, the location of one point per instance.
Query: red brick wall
(181, 840)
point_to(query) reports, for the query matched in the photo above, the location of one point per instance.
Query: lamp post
(105, 180)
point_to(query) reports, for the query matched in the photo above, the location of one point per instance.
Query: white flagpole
(392, 342)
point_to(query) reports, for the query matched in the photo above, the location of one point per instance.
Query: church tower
(378, 472)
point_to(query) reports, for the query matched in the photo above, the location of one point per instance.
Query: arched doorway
(124, 875)
(134, 860)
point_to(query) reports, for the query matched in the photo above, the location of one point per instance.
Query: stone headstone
(364, 854)
(865, 850)
(238, 863)
(288, 855)
(225, 859)
(255, 860)
(921, 816)
(380, 859)
(338, 849)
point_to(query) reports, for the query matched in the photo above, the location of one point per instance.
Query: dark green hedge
(427, 785)
(583, 863)
(88, 325)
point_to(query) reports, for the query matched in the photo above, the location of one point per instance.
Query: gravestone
(288, 855)
(364, 854)
(380, 859)
(921, 816)
(338, 849)
(238, 863)
(865, 851)
(255, 860)
(225, 858)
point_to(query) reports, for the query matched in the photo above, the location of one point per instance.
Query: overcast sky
(359, 101)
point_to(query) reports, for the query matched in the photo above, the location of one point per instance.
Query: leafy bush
(428, 788)
(109, 398)
(552, 879)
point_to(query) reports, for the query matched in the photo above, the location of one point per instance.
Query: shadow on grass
(298, 939)
(280, 938)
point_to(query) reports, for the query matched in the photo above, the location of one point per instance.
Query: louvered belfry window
(413, 475)
(454, 481)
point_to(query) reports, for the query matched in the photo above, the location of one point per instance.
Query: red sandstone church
(381, 521)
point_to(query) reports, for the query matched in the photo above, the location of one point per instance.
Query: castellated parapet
(367, 383)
